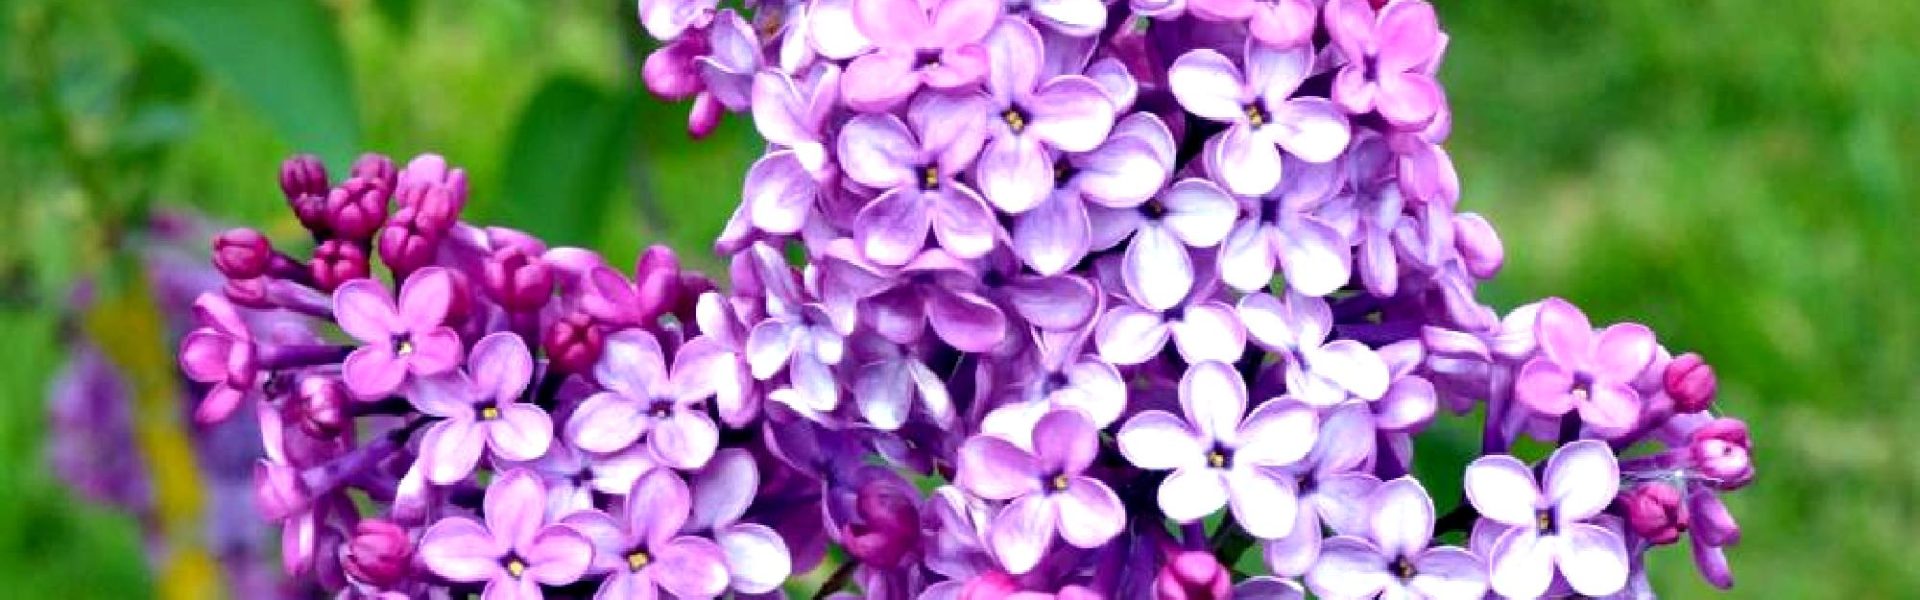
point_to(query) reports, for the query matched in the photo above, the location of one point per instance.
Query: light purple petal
(723, 491)
(1262, 587)
(1279, 433)
(435, 351)
(1199, 212)
(1246, 258)
(1263, 500)
(631, 366)
(1409, 34)
(1503, 489)
(1021, 533)
(450, 449)
(521, 433)
(1052, 303)
(769, 345)
(1581, 478)
(501, 366)
(893, 228)
(1593, 559)
(607, 422)
(1055, 235)
(1311, 128)
(1408, 100)
(963, 223)
(1545, 387)
(779, 193)
(1213, 398)
(884, 394)
(460, 549)
(1130, 335)
(690, 567)
(1349, 567)
(1090, 514)
(965, 321)
(1274, 72)
(1157, 270)
(995, 469)
(1622, 351)
(1123, 172)
(1192, 493)
(515, 507)
(1207, 84)
(1015, 172)
(1566, 337)
(877, 150)
(1157, 441)
(1401, 519)
(1316, 259)
(1014, 55)
(962, 21)
(1408, 405)
(1071, 113)
(424, 298)
(558, 556)
(685, 440)
(892, 23)
(372, 372)
(1448, 573)
(1247, 162)
(366, 311)
(1209, 332)
(1352, 365)
(757, 558)
(1293, 554)
(1521, 564)
(1066, 442)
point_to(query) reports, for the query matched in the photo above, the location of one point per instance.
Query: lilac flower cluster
(1092, 301)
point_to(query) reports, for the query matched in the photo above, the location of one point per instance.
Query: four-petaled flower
(1261, 114)
(411, 339)
(642, 398)
(480, 409)
(1392, 560)
(516, 551)
(642, 552)
(1046, 488)
(1388, 56)
(1579, 369)
(1548, 524)
(221, 352)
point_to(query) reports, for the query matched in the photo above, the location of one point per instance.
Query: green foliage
(561, 165)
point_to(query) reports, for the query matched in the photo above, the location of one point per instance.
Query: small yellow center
(405, 348)
(490, 413)
(1216, 460)
(1014, 120)
(1059, 483)
(515, 567)
(1544, 520)
(638, 560)
(930, 177)
(1255, 115)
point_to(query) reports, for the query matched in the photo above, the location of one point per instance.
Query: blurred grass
(1739, 176)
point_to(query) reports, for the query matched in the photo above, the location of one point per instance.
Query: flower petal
(371, 372)
(606, 422)
(1316, 259)
(1503, 489)
(1055, 235)
(685, 440)
(1544, 386)
(690, 567)
(893, 228)
(1199, 212)
(1248, 163)
(1447, 572)
(1157, 270)
(558, 556)
(1090, 514)
(1623, 351)
(521, 433)
(876, 150)
(1193, 493)
(501, 366)
(1130, 335)
(1582, 477)
(1279, 433)
(1521, 564)
(967, 322)
(1349, 567)
(1593, 559)
(460, 549)
(1209, 332)
(1264, 500)
(1401, 519)
(1071, 113)
(1355, 367)
(1207, 84)
(779, 193)
(515, 507)
(1213, 398)
(995, 469)
(757, 558)
(963, 223)
(1014, 172)
(632, 366)
(365, 311)
(1157, 441)
(1246, 258)
(450, 449)
(424, 298)
(1020, 535)
(1566, 337)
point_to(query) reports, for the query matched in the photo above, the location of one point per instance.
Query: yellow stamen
(516, 568)
(638, 560)
(489, 413)
(1217, 460)
(1014, 120)
(1060, 483)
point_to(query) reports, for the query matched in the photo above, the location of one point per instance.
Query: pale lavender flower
(892, 381)
(717, 359)
(1276, 23)
(516, 551)
(1333, 491)
(481, 409)
(1201, 329)
(1387, 56)
(936, 44)
(1158, 269)
(1261, 115)
(1283, 229)
(1392, 558)
(1127, 169)
(757, 558)
(643, 398)
(918, 168)
(933, 289)
(1580, 369)
(409, 340)
(783, 187)
(732, 61)
(666, 19)
(1318, 372)
(1549, 522)
(1046, 488)
(641, 551)
(1030, 118)
(1219, 459)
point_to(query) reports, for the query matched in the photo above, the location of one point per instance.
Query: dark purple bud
(336, 262)
(242, 253)
(434, 207)
(375, 168)
(356, 209)
(1656, 512)
(460, 304)
(321, 406)
(408, 242)
(657, 279)
(518, 280)
(1479, 245)
(573, 343)
(887, 528)
(1691, 383)
(303, 175)
(1720, 450)
(380, 553)
(1193, 575)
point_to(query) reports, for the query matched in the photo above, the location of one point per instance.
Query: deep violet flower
(411, 339)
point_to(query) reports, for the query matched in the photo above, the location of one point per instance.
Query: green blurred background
(1739, 175)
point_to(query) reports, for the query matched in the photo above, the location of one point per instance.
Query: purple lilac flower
(1581, 369)
(516, 551)
(221, 353)
(1028, 118)
(917, 163)
(643, 399)
(1121, 173)
(1393, 559)
(1218, 458)
(783, 187)
(409, 340)
(1318, 371)
(936, 44)
(1159, 269)
(757, 557)
(642, 552)
(1275, 23)
(1548, 526)
(481, 409)
(1045, 487)
(1387, 54)
(1285, 229)
(1261, 115)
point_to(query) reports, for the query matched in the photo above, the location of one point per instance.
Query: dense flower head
(1071, 280)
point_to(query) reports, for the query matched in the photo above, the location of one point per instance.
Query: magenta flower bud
(518, 280)
(671, 72)
(322, 406)
(1656, 512)
(1193, 575)
(573, 343)
(888, 525)
(380, 553)
(278, 490)
(303, 175)
(248, 293)
(692, 285)
(375, 168)
(1479, 245)
(705, 116)
(1691, 383)
(434, 207)
(657, 279)
(1720, 450)
(424, 169)
(242, 253)
(356, 209)
(407, 243)
(336, 262)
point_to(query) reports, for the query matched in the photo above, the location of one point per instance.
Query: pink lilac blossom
(1020, 297)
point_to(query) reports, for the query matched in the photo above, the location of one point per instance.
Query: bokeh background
(1741, 176)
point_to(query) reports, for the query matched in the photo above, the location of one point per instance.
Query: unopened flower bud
(322, 406)
(1193, 575)
(242, 253)
(303, 175)
(518, 280)
(356, 209)
(1691, 383)
(380, 553)
(248, 293)
(1720, 450)
(573, 343)
(336, 262)
(671, 71)
(376, 169)
(705, 116)
(1656, 512)
(657, 279)
(888, 524)
(406, 243)
(1479, 245)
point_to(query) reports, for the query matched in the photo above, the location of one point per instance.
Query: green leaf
(397, 12)
(283, 57)
(563, 161)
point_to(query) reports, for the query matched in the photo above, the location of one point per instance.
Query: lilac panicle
(1091, 272)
